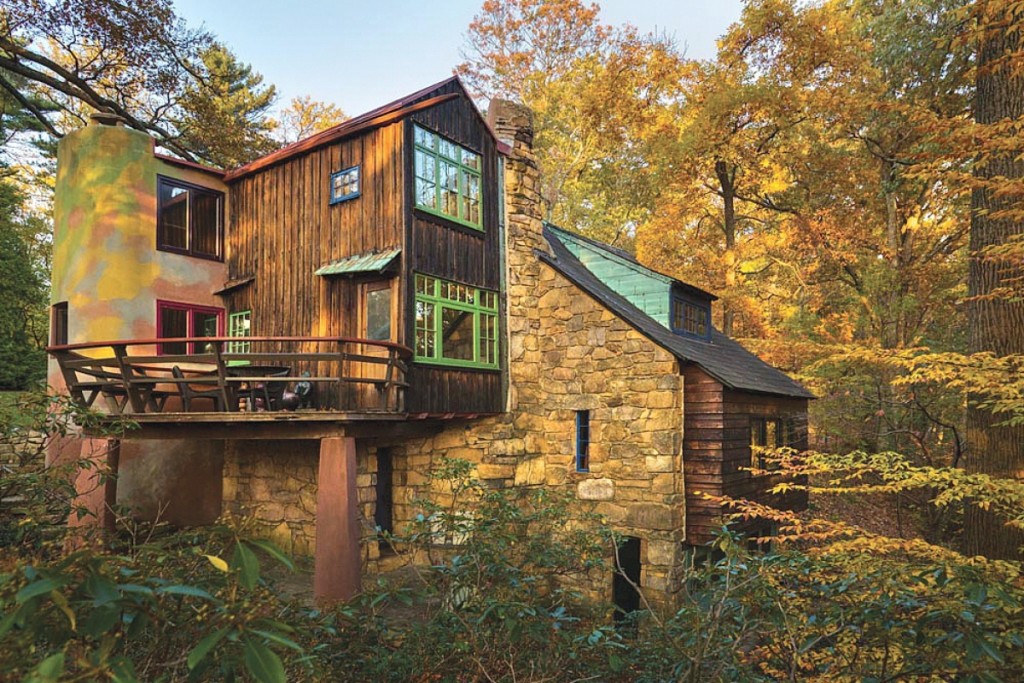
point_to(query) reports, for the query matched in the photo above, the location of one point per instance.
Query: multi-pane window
(345, 185)
(240, 325)
(59, 324)
(176, 320)
(189, 219)
(447, 178)
(691, 318)
(456, 324)
(766, 433)
(582, 440)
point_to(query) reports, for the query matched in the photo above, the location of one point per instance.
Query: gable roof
(381, 116)
(721, 357)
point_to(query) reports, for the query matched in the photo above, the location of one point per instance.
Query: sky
(359, 55)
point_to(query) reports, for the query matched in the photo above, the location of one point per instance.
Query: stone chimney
(513, 124)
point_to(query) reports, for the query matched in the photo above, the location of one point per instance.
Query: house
(396, 268)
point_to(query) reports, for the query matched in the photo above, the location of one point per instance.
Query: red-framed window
(176, 319)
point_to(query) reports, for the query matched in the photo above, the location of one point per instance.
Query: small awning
(234, 284)
(372, 262)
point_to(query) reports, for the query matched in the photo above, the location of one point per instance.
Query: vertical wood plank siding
(716, 449)
(453, 252)
(282, 228)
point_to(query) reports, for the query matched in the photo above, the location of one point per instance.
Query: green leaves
(263, 664)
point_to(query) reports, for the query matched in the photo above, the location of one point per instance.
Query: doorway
(626, 579)
(383, 514)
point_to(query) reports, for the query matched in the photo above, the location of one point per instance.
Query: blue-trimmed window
(691, 318)
(582, 440)
(345, 184)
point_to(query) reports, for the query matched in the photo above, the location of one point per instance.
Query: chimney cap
(106, 118)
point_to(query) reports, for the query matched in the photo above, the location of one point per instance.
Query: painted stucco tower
(108, 276)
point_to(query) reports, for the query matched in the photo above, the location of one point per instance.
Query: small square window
(582, 440)
(345, 184)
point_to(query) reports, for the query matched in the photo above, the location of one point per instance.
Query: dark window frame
(191, 309)
(351, 170)
(190, 238)
(759, 434)
(59, 323)
(682, 324)
(582, 440)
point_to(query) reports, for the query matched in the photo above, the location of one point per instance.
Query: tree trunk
(726, 176)
(995, 324)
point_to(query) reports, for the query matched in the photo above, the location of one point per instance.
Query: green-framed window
(448, 179)
(240, 325)
(455, 324)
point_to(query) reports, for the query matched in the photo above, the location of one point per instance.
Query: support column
(96, 486)
(337, 563)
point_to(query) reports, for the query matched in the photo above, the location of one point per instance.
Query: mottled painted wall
(105, 261)
(107, 267)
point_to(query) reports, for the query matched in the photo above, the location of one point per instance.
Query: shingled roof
(721, 357)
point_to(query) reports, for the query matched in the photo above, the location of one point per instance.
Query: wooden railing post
(227, 392)
(135, 395)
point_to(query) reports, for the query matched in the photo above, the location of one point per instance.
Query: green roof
(372, 262)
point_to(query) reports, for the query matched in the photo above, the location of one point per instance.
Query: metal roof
(371, 262)
(721, 357)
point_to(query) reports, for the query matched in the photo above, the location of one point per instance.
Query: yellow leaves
(217, 562)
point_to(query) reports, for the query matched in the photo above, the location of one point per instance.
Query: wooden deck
(230, 380)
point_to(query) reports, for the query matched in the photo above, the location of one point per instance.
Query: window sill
(185, 252)
(448, 221)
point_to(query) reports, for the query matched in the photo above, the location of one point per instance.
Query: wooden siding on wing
(283, 227)
(450, 251)
(716, 449)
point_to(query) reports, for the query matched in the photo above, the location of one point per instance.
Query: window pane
(204, 325)
(470, 159)
(425, 332)
(448, 149)
(425, 138)
(172, 216)
(426, 194)
(173, 323)
(488, 339)
(205, 223)
(378, 314)
(449, 179)
(457, 334)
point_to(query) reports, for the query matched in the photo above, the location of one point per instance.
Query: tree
(23, 297)
(225, 112)
(602, 97)
(305, 116)
(130, 58)
(996, 323)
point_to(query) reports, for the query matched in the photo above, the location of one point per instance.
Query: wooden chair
(189, 394)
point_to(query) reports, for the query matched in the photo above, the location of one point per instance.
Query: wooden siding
(716, 448)
(283, 227)
(453, 252)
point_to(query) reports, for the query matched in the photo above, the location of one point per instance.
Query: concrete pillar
(96, 485)
(337, 561)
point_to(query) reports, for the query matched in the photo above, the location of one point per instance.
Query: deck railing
(229, 374)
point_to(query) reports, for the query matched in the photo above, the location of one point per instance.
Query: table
(255, 381)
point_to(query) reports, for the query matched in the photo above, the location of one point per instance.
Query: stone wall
(572, 355)
(275, 482)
